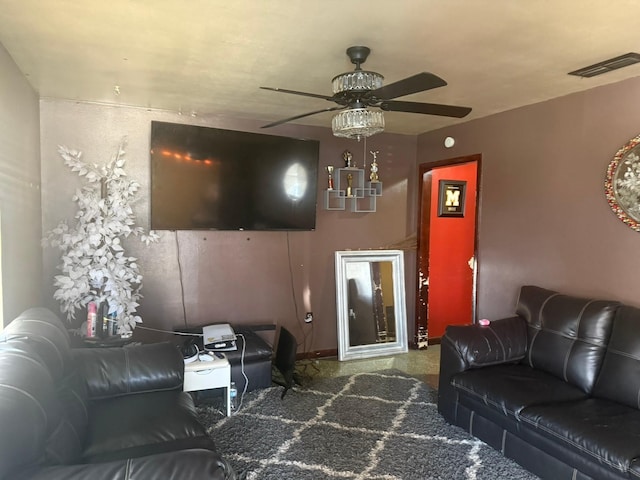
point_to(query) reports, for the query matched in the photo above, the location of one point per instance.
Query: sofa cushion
(192, 464)
(605, 431)
(111, 372)
(619, 379)
(141, 424)
(567, 335)
(511, 388)
(72, 395)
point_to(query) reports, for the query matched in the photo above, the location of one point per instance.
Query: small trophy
(349, 185)
(330, 179)
(348, 159)
(373, 176)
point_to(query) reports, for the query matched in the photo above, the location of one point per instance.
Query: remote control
(218, 354)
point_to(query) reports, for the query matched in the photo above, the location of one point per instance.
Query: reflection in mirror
(370, 300)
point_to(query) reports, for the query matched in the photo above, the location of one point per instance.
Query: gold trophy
(330, 179)
(373, 176)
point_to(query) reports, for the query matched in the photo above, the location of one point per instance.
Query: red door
(446, 247)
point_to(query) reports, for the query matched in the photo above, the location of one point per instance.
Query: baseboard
(317, 354)
(333, 353)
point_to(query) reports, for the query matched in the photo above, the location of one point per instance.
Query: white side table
(206, 373)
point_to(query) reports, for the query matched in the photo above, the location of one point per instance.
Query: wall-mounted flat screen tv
(213, 179)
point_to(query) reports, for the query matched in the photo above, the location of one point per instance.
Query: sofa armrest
(193, 464)
(501, 341)
(475, 346)
(110, 372)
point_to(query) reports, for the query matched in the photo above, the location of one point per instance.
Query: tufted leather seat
(554, 387)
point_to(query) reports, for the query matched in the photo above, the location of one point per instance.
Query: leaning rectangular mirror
(370, 302)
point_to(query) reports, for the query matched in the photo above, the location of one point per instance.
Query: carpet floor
(366, 426)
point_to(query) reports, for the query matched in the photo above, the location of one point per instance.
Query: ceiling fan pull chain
(364, 154)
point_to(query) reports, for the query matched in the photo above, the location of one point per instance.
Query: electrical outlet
(308, 318)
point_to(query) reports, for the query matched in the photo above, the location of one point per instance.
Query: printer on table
(219, 338)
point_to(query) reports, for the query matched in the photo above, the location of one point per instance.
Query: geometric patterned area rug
(367, 426)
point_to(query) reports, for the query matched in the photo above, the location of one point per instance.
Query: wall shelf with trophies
(347, 186)
(350, 190)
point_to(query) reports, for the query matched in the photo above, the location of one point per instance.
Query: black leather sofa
(96, 413)
(555, 387)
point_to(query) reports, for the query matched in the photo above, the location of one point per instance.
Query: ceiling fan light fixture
(358, 81)
(357, 123)
(354, 92)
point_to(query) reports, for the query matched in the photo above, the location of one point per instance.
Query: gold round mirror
(622, 185)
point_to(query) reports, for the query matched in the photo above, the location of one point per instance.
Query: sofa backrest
(41, 335)
(619, 378)
(28, 408)
(42, 327)
(567, 335)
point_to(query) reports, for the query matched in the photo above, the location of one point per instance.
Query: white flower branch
(93, 264)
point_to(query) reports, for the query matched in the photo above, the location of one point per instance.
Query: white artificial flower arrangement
(94, 265)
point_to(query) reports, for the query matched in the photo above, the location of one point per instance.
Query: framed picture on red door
(451, 196)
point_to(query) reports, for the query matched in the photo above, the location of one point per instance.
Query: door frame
(423, 228)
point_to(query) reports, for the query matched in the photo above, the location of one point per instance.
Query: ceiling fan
(355, 92)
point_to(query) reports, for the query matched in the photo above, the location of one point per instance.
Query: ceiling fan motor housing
(348, 87)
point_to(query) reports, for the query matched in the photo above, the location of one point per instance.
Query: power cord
(184, 308)
(172, 332)
(184, 317)
(305, 335)
(246, 379)
(295, 302)
(242, 355)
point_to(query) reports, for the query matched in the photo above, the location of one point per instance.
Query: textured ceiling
(211, 56)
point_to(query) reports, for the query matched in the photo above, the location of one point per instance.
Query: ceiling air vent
(607, 65)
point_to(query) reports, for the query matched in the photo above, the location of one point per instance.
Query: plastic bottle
(92, 318)
(233, 395)
(105, 326)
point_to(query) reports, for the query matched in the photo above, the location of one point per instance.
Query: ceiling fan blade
(294, 92)
(417, 83)
(280, 122)
(426, 108)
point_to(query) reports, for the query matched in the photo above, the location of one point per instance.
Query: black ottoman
(253, 356)
(256, 362)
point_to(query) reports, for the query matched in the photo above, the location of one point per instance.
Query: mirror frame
(345, 350)
(622, 188)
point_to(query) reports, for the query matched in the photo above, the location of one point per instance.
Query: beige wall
(19, 191)
(240, 277)
(544, 218)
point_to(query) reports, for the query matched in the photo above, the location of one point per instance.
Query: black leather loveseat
(555, 387)
(112, 413)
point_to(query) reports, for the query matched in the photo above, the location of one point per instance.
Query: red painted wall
(451, 245)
